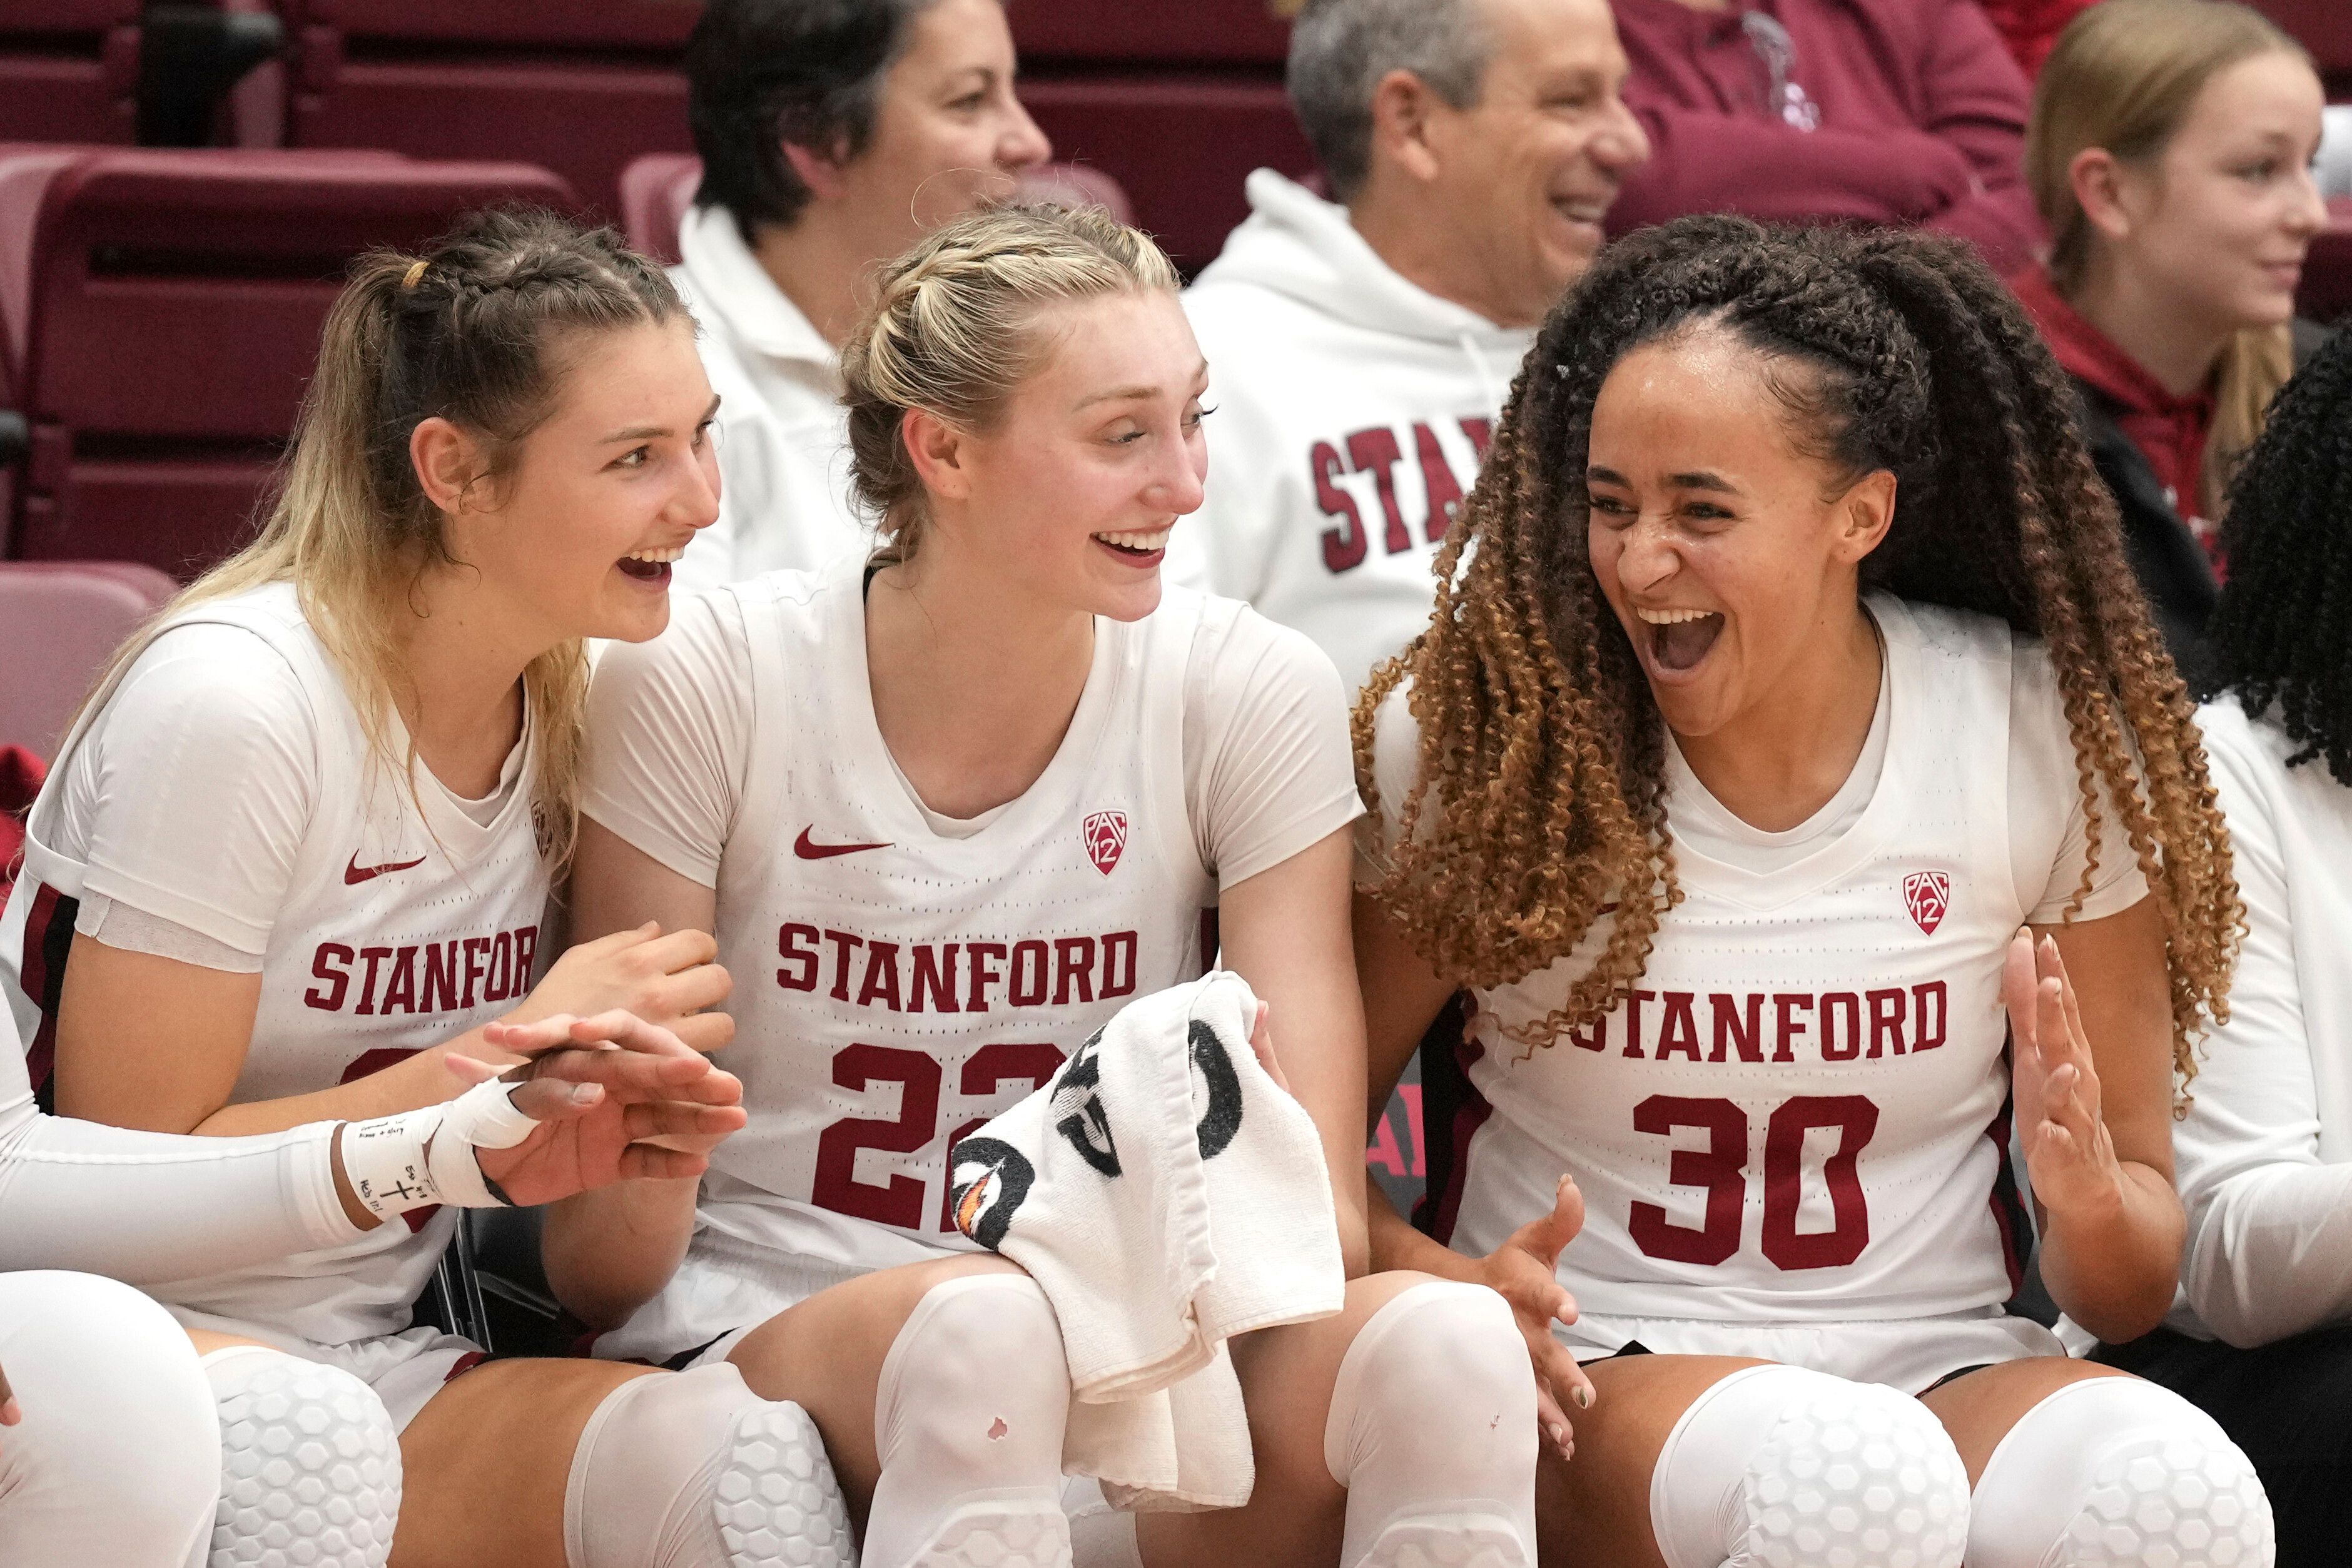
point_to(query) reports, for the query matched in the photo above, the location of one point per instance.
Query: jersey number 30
(1721, 1168)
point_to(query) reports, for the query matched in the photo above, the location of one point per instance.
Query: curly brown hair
(1540, 799)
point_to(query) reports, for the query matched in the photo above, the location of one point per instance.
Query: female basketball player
(2260, 1339)
(297, 854)
(1785, 664)
(946, 813)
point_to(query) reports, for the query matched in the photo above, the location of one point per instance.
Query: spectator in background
(1359, 350)
(834, 133)
(2031, 28)
(2170, 154)
(1892, 111)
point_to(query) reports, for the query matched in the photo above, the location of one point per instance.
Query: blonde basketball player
(1786, 665)
(947, 812)
(297, 856)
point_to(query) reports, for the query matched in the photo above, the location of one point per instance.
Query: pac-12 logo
(1928, 893)
(1106, 835)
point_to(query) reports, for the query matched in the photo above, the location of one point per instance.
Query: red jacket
(1890, 112)
(2031, 28)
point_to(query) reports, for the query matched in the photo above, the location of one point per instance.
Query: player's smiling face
(1730, 555)
(604, 492)
(1074, 493)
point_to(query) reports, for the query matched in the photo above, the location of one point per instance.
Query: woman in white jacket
(2261, 1333)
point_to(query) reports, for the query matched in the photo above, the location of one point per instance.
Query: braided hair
(1540, 795)
(2281, 636)
(953, 330)
(470, 331)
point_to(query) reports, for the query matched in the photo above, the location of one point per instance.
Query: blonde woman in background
(2170, 154)
(892, 789)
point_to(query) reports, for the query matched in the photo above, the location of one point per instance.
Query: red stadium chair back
(657, 189)
(580, 87)
(1182, 144)
(60, 621)
(68, 69)
(1178, 104)
(2326, 291)
(173, 302)
(2324, 27)
(1207, 32)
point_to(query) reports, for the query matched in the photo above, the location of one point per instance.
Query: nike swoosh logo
(356, 874)
(809, 849)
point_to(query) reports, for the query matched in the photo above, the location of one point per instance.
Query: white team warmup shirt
(2263, 1160)
(901, 977)
(1792, 1138)
(783, 437)
(1353, 411)
(223, 800)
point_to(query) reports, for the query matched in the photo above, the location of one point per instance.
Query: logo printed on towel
(1076, 1108)
(1106, 835)
(1221, 1097)
(1928, 895)
(988, 1179)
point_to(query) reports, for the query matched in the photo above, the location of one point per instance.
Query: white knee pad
(967, 1420)
(2117, 1471)
(1433, 1432)
(309, 1464)
(1776, 1466)
(118, 1457)
(692, 1469)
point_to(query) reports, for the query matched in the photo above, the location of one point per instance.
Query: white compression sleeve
(1776, 1465)
(2114, 1472)
(150, 1206)
(118, 1457)
(1433, 1432)
(692, 1469)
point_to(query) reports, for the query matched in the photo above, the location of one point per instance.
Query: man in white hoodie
(1358, 351)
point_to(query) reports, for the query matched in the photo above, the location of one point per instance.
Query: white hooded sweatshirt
(1353, 409)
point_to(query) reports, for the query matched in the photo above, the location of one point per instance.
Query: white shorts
(1909, 1354)
(725, 1288)
(405, 1369)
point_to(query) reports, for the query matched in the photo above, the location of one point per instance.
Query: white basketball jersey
(896, 987)
(1800, 1113)
(400, 931)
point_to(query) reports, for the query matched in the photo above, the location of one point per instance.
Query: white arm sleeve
(1267, 765)
(2269, 1250)
(150, 1206)
(669, 731)
(188, 798)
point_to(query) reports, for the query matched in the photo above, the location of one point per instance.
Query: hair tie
(416, 271)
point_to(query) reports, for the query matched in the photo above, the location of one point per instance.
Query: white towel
(1166, 1195)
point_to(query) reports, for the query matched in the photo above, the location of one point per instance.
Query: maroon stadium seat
(60, 621)
(2326, 291)
(581, 87)
(656, 190)
(1181, 142)
(1205, 32)
(2324, 27)
(173, 301)
(68, 69)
